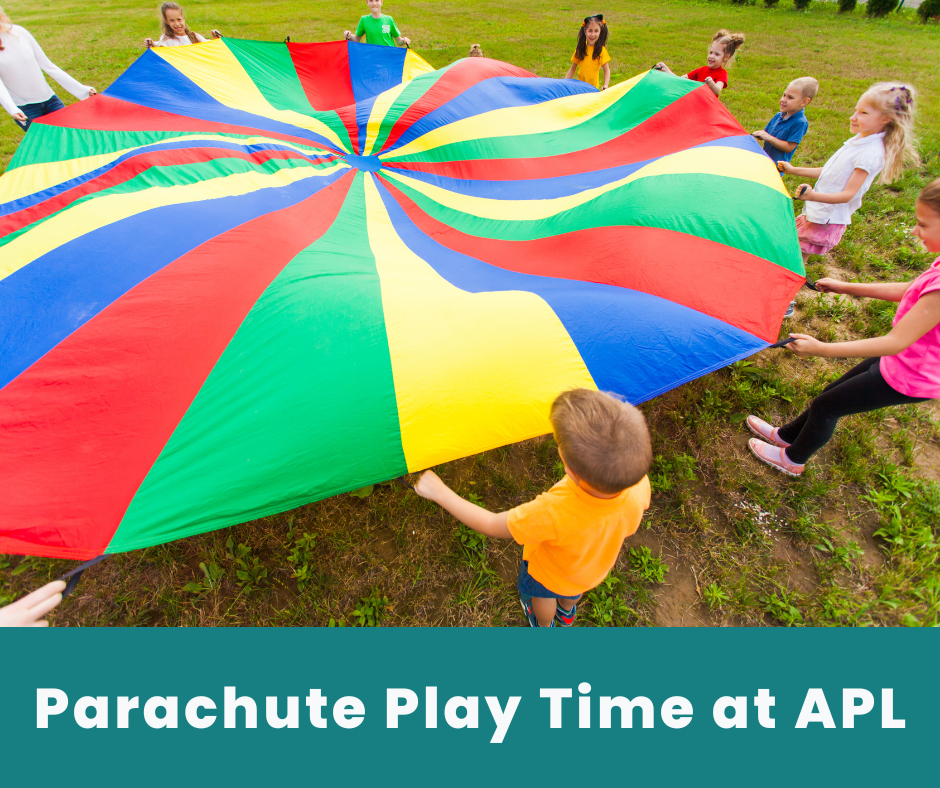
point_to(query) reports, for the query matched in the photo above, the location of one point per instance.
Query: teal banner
(468, 707)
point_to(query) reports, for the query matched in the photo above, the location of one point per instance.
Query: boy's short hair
(808, 86)
(603, 440)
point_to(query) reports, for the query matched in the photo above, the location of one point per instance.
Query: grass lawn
(727, 541)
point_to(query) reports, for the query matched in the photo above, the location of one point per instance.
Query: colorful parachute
(254, 275)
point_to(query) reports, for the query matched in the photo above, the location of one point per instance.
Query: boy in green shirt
(377, 28)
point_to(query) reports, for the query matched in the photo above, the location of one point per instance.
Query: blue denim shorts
(528, 586)
(37, 110)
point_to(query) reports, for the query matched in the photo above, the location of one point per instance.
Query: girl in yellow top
(591, 55)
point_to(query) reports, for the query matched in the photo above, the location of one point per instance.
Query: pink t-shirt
(915, 371)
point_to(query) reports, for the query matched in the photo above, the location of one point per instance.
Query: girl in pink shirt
(904, 365)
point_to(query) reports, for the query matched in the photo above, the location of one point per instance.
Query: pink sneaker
(765, 431)
(774, 456)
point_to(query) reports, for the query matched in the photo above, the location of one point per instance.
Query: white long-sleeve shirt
(22, 62)
(857, 153)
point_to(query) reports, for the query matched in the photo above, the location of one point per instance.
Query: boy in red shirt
(572, 534)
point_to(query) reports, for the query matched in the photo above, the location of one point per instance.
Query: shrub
(847, 5)
(880, 8)
(929, 9)
(801, 4)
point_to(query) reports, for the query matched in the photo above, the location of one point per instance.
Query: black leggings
(859, 390)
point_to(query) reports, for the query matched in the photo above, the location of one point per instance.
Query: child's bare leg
(544, 608)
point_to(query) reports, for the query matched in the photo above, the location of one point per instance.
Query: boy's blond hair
(808, 86)
(603, 440)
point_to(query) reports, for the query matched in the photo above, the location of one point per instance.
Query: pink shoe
(765, 431)
(774, 456)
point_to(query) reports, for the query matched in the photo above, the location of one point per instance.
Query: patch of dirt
(801, 572)
(927, 461)
(677, 600)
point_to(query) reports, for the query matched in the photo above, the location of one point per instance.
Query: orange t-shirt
(571, 539)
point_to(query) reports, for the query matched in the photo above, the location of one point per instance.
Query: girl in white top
(24, 92)
(176, 32)
(883, 123)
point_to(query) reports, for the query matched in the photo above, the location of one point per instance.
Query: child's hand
(20, 117)
(804, 192)
(828, 285)
(759, 134)
(29, 611)
(148, 42)
(785, 166)
(430, 486)
(92, 92)
(216, 34)
(805, 345)
(406, 41)
(660, 66)
(347, 34)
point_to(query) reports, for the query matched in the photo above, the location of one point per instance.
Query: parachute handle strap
(76, 574)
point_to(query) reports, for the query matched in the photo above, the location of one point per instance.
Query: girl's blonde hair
(728, 41)
(167, 30)
(895, 100)
(5, 25)
(930, 196)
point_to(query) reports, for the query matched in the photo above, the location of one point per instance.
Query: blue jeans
(33, 111)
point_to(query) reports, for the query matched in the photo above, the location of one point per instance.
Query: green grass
(726, 541)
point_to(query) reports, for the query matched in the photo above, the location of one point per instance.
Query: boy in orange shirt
(572, 534)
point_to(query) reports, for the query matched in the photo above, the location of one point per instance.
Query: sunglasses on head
(594, 18)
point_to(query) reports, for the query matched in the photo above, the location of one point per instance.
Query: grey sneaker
(790, 310)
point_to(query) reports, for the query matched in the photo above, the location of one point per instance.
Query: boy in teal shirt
(377, 28)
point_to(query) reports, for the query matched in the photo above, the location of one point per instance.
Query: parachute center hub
(364, 163)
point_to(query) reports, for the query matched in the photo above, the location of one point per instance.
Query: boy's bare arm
(482, 521)
(779, 144)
